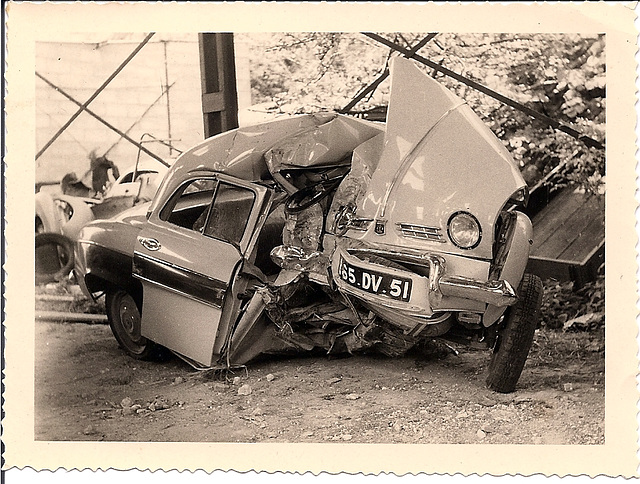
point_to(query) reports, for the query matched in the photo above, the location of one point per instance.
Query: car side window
(216, 209)
(230, 213)
(189, 206)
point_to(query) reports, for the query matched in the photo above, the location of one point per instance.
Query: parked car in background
(326, 232)
(66, 214)
(59, 217)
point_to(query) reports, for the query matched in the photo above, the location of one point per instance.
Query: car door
(186, 257)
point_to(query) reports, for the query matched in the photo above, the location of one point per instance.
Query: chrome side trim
(180, 280)
(176, 291)
(171, 264)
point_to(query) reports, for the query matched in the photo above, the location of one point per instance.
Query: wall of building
(136, 101)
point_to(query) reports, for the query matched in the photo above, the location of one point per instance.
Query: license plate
(375, 282)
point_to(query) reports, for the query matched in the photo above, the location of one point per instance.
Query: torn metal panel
(238, 153)
(304, 229)
(351, 191)
(313, 264)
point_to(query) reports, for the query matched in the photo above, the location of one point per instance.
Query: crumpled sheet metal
(313, 264)
(325, 324)
(304, 229)
(353, 187)
(320, 146)
(239, 152)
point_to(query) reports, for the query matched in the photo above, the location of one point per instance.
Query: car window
(230, 213)
(127, 178)
(189, 206)
(215, 209)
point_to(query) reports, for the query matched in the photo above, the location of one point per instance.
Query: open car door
(187, 257)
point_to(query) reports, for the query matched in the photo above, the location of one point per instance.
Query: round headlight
(464, 230)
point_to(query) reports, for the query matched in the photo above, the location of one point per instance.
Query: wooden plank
(70, 317)
(549, 268)
(581, 246)
(563, 196)
(546, 223)
(563, 270)
(568, 230)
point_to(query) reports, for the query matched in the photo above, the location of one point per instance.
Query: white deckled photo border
(27, 22)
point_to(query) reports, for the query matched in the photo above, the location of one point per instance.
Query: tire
(515, 337)
(54, 257)
(125, 322)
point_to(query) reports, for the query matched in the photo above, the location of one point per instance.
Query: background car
(59, 217)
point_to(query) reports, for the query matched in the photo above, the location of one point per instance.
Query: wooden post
(218, 80)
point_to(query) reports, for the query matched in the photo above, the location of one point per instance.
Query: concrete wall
(133, 102)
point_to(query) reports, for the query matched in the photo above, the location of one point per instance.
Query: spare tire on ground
(53, 257)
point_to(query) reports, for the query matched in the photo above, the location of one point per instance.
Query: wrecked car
(327, 232)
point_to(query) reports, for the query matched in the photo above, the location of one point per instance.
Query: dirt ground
(88, 389)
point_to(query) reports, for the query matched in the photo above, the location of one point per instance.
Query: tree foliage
(560, 75)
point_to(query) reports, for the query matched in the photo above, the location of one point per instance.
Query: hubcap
(130, 318)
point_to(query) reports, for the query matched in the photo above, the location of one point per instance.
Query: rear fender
(515, 262)
(48, 213)
(82, 215)
(103, 279)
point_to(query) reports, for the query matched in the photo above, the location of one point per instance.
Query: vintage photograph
(371, 248)
(325, 238)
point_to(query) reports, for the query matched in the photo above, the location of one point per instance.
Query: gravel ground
(88, 389)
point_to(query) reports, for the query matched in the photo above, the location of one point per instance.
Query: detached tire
(53, 257)
(516, 336)
(125, 322)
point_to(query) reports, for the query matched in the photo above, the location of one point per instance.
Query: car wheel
(515, 337)
(53, 257)
(125, 322)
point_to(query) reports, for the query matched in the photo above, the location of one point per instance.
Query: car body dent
(437, 157)
(516, 251)
(241, 152)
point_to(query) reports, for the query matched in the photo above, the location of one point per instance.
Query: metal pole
(106, 123)
(490, 92)
(95, 94)
(166, 80)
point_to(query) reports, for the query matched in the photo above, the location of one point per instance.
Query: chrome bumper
(496, 293)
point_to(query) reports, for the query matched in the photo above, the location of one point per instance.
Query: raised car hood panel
(438, 158)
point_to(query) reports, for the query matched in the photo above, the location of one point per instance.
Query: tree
(560, 75)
